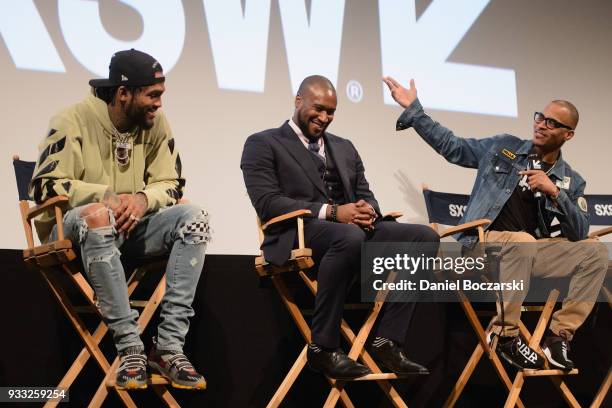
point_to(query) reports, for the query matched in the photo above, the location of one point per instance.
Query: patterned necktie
(313, 146)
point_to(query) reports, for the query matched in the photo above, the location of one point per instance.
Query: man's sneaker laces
(132, 371)
(176, 367)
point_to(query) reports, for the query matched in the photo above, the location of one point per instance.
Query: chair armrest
(601, 232)
(464, 227)
(393, 215)
(59, 201)
(285, 217)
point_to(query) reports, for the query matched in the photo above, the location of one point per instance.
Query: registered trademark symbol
(354, 91)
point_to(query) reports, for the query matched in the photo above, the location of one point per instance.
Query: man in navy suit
(301, 166)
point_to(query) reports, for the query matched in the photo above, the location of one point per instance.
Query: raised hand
(401, 95)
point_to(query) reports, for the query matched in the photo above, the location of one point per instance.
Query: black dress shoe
(391, 356)
(335, 364)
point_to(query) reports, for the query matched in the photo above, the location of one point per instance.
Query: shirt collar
(303, 138)
(559, 169)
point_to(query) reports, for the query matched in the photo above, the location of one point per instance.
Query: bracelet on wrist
(334, 212)
(556, 195)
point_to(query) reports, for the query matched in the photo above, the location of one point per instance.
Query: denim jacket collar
(558, 171)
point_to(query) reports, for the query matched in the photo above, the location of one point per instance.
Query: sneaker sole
(552, 361)
(163, 373)
(132, 385)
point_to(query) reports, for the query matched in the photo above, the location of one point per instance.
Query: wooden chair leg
(467, 372)
(100, 332)
(76, 321)
(391, 393)
(290, 378)
(143, 321)
(355, 351)
(388, 389)
(81, 283)
(513, 396)
(165, 396)
(549, 307)
(334, 394)
(565, 391)
(78, 364)
(605, 385)
(534, 342)
(299, 320)
(292, 307)
(480, 334)
(603, 391)
(102, 392)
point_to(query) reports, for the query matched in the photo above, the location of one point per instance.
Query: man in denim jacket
(522, 186)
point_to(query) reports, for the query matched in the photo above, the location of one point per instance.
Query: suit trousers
(336, 250)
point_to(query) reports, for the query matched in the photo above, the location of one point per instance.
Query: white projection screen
(232, 66)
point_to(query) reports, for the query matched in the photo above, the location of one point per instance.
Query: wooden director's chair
(60, 268)
(438, 210)
(300, 261)
(598, 202)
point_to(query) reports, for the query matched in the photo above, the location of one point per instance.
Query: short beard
(543, 150)
(304, 128)
(137, 118)
(144, 124)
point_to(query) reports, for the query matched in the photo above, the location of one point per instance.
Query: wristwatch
(334, 212)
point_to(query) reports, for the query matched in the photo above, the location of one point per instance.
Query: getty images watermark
(450, 265)
(426, 272)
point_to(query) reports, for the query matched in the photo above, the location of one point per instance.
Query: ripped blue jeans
(182, 231)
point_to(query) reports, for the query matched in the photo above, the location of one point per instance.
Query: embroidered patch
(197, 227)
(566, 182)
(582, 203)
(509, 154)
(198, 230)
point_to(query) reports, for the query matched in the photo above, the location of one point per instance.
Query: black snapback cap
(130, 68)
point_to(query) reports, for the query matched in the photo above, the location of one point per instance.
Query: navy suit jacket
(280, 176)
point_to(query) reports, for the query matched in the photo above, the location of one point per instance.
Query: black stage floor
(243, 341)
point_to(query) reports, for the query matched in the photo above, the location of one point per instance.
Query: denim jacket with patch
(499, 160)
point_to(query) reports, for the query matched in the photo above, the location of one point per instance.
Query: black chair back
(23, 174)
(445, 208)
(600, 208)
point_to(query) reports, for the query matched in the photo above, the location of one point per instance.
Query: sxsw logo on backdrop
(603, 210)
(238, 35)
